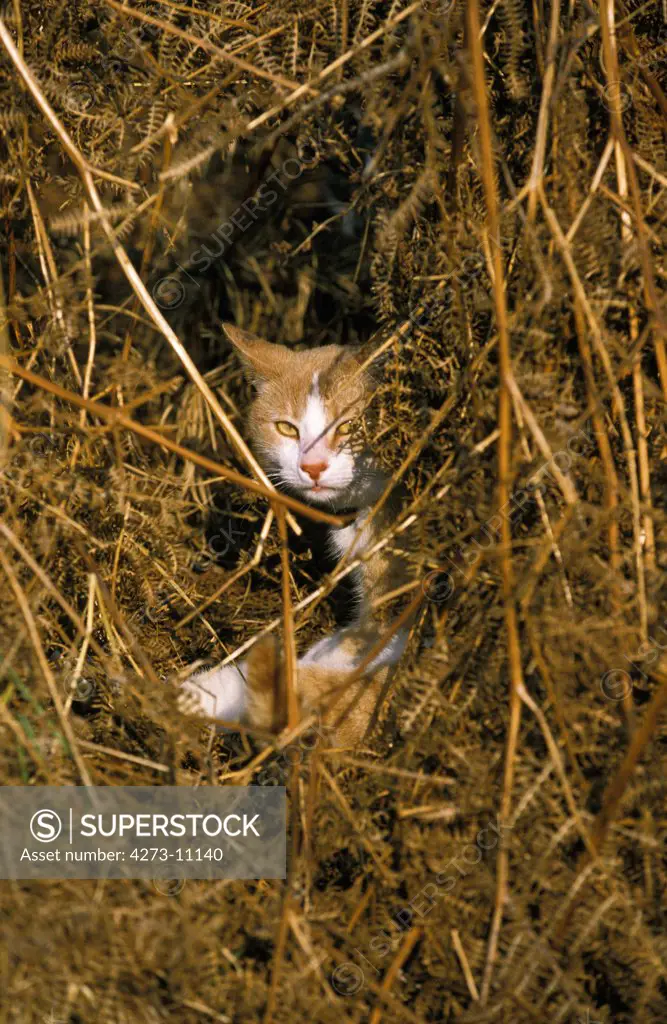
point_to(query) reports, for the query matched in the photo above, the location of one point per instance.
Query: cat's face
(305, 422)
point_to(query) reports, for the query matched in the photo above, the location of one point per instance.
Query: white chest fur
(352, 540)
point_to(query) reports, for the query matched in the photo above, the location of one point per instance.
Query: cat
(306, 428)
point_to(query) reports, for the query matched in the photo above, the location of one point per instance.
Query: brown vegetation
(479, 192)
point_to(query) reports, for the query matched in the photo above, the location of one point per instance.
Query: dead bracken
(476, 192)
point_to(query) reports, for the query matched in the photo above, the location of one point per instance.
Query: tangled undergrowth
(490, 217)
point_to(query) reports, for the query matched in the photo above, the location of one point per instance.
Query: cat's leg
(331, 652)
(344, 650)
(318, 690)
(217, 692)
(224, 693)
(323, 668)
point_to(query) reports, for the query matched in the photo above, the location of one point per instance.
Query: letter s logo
(45, 825)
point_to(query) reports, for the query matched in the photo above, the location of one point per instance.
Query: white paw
(216, 693)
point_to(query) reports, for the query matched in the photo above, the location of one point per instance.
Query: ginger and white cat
(305, 428)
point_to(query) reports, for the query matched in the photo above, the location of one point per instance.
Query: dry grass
(490, 219)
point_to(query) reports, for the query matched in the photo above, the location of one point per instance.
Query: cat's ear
(372, 357)
(262, 360)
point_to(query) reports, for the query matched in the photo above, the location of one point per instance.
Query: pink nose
(313, 469)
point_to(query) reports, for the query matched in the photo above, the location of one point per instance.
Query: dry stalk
(52, 686)
(504, 472)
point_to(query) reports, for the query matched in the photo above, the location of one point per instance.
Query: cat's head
(305, 422)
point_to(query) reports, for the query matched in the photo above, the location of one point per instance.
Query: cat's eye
(286, 428)
(344, 429)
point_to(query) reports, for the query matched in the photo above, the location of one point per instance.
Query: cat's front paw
(218, 693)
(193, 699)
